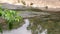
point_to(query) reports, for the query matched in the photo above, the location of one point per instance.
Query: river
(39, 23)
(22, 29)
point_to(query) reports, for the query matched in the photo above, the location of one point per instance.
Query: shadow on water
(50, 23)
(44, 24)
(24, 29)
(20, 30)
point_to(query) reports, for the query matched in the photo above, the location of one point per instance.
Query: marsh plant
(10, 18)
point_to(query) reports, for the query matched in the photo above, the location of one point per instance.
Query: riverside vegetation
(9, 19)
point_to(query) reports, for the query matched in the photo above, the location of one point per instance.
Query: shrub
(10, 17)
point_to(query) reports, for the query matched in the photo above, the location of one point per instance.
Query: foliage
(10, 16)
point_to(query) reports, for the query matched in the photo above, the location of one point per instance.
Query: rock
(11, 6)
(36, 3)
(30, 14)
(45, 5)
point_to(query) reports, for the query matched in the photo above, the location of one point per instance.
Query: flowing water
(35, 22)
(44, 23)
(22, 29)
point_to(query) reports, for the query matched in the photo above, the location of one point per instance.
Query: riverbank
(21, 7)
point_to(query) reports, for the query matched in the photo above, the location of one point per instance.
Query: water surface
(45, 23)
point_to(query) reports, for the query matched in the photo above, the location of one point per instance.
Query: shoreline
(21, 7)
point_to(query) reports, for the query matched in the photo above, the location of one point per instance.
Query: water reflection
(44, 24)
(36, 27)
(49, 23)
(20, 30)
(23, 29)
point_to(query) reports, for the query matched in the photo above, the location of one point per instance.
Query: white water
(21, 30)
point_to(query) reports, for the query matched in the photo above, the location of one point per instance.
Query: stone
(38, 3)
(53, 5)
